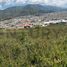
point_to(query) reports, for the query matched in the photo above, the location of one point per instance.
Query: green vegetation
(35, 47)
(29, 9)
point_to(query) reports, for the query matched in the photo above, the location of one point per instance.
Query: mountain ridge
(29, 9)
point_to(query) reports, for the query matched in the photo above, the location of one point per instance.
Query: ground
(34, 47)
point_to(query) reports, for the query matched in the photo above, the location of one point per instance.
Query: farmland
(34, 47)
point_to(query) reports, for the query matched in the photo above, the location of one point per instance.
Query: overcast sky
(59, 3)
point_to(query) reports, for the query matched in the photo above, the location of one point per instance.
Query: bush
(35, 47)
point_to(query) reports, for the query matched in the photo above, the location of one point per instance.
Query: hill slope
(30, 9)
(38, 47)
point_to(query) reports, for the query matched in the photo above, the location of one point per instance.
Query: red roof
(24, 24)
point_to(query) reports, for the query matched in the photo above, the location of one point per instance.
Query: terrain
(34, 47)
(29, 9)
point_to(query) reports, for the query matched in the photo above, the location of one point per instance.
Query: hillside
(37, 47)
(30, 9)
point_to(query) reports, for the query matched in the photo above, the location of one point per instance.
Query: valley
(33, 35)
(33, 21)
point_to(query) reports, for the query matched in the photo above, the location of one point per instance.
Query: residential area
(29, 21)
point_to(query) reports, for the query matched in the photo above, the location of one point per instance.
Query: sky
(7, 3)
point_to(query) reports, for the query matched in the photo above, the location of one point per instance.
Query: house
(24, 25)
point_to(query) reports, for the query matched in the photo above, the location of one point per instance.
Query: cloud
(50, 2)
(59, 3)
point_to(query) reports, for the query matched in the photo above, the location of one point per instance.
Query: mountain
(29, 9)
(9, 3)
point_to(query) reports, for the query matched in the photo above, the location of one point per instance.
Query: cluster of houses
(54, 22)
(28, 22)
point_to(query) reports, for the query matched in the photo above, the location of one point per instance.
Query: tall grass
(35, 47)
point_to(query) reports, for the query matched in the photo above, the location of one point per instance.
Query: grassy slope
(38, 47)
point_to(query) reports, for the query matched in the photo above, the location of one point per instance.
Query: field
(34, 47)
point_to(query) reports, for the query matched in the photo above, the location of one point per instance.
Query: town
(29, 22)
